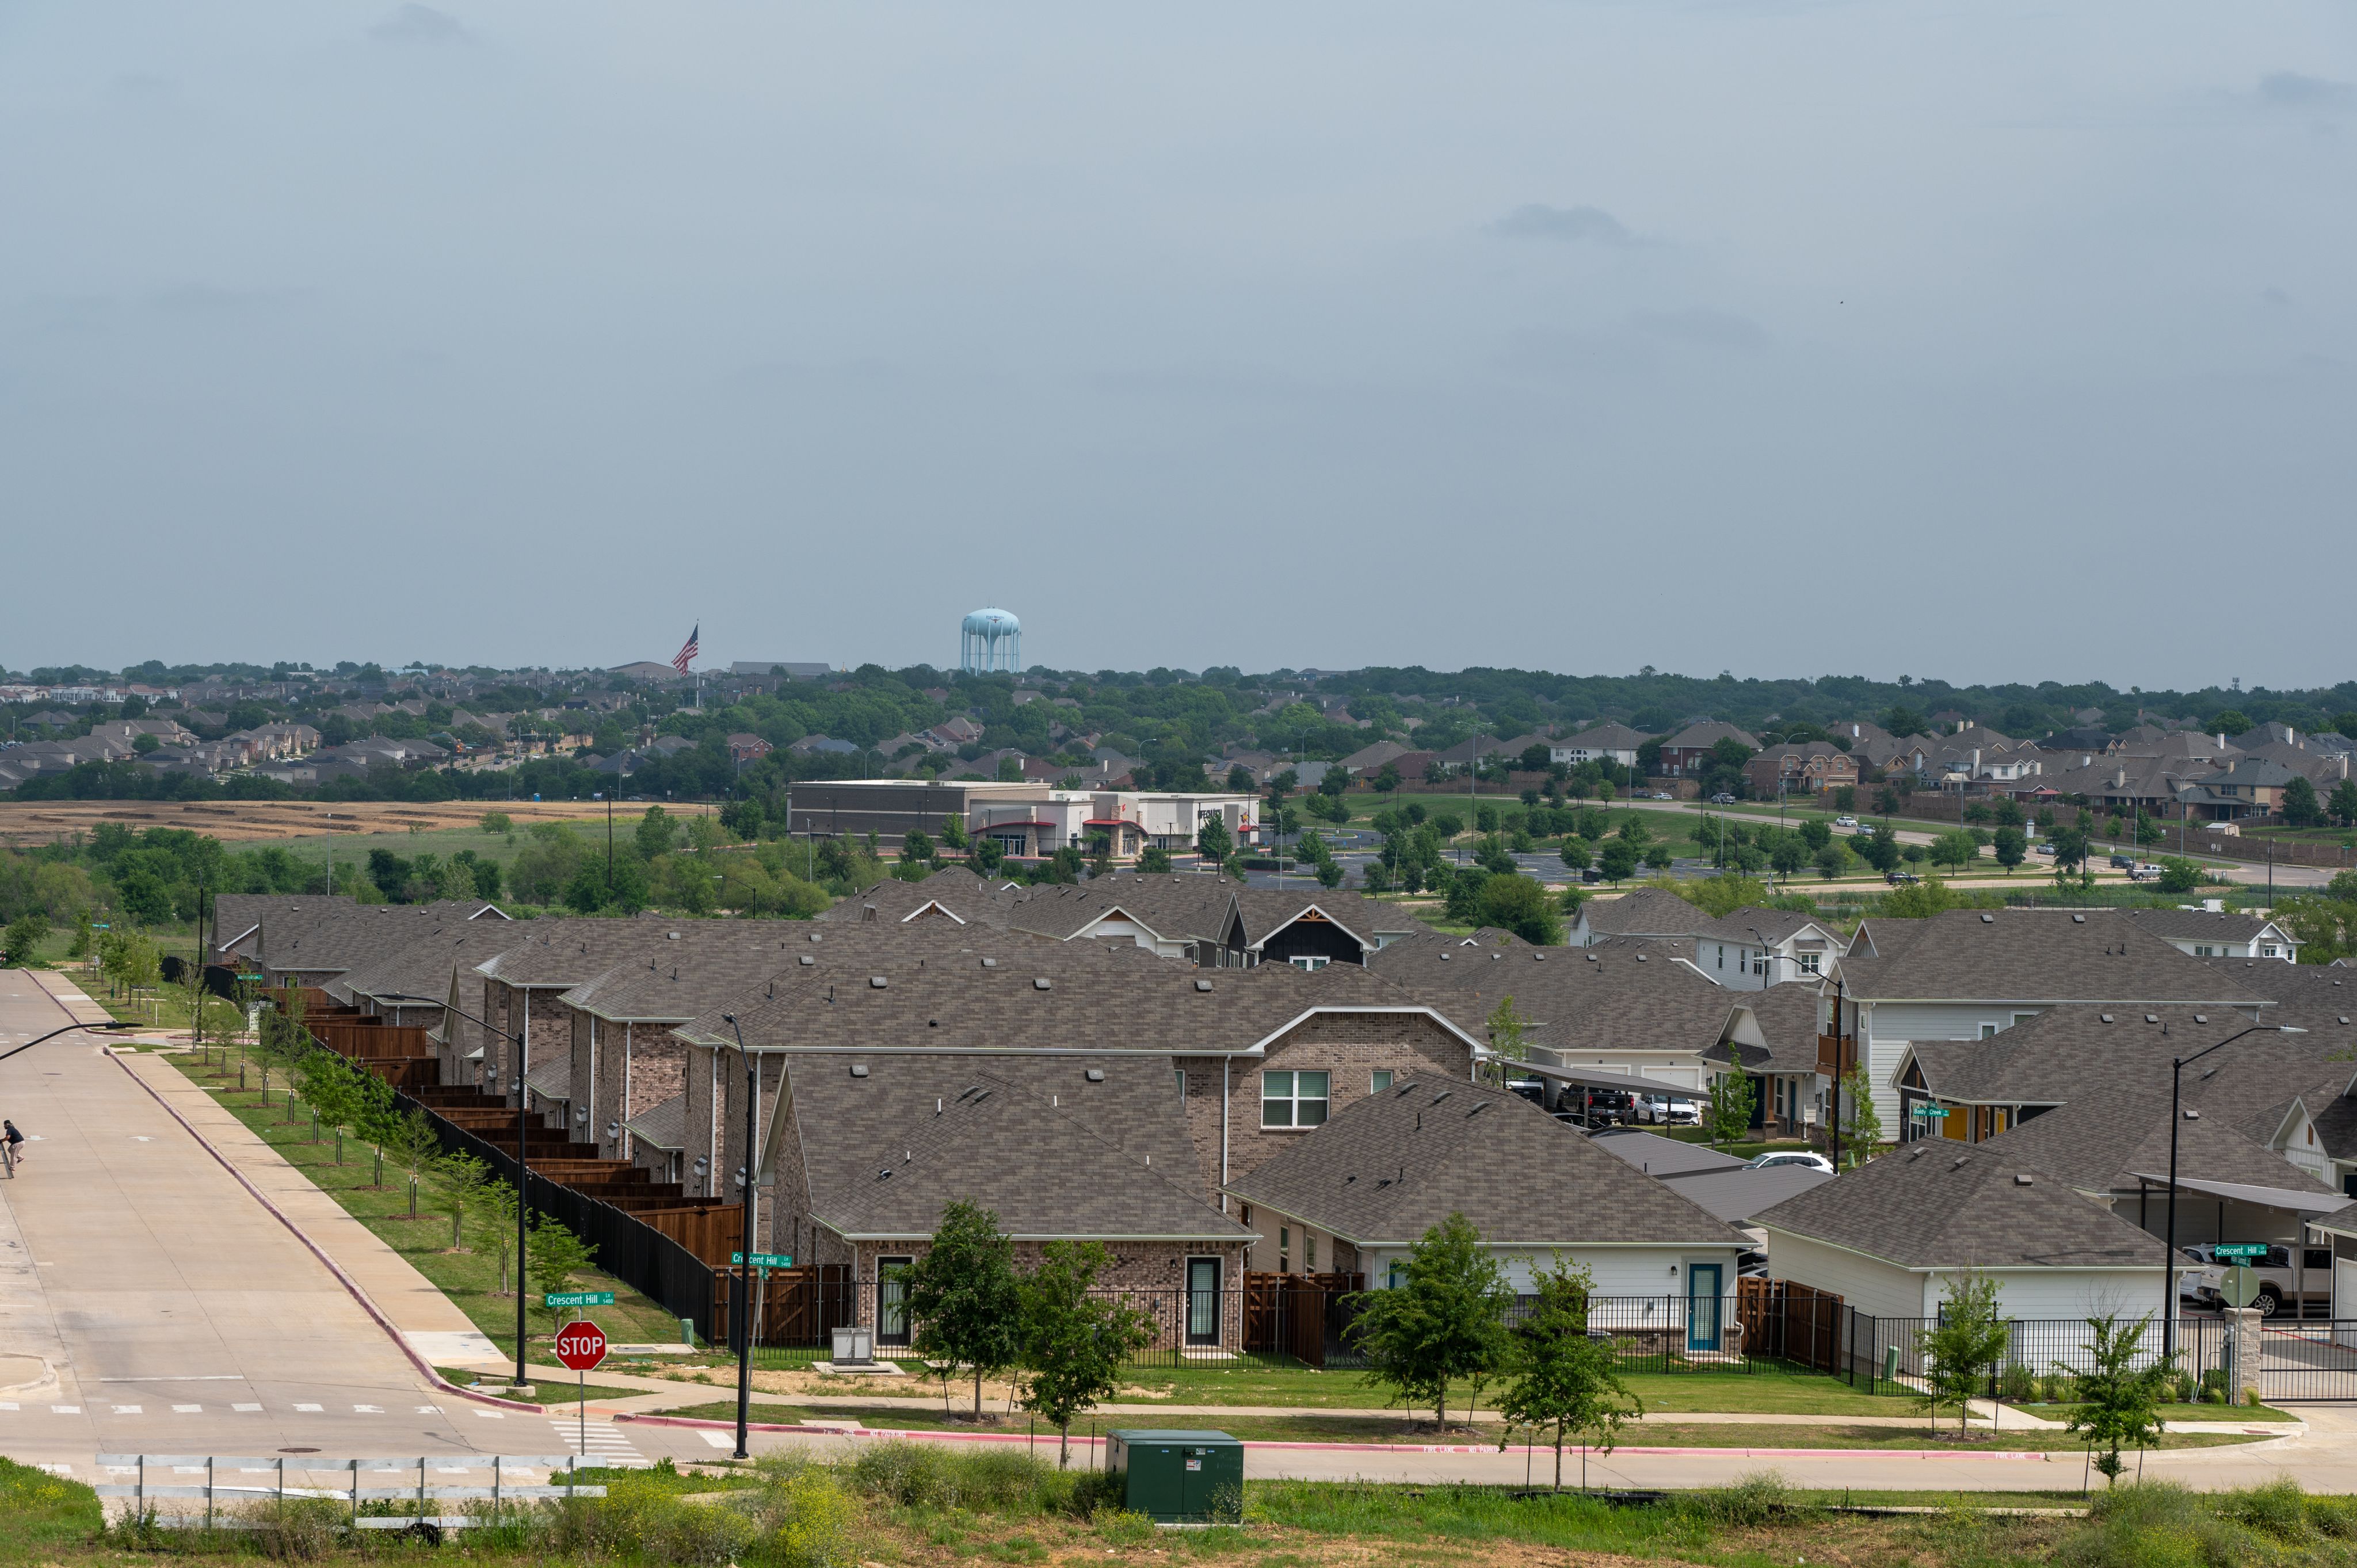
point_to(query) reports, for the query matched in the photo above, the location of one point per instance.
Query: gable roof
(2105, 1142)
(1106, 1159)
(1754, 923)
(237, 917)
(2027, 955)
(668, 981)
(322, 939)
(2201, 925)
(1643, 912)
(422, 964)
(1938, 1205)
(1573, 999)
(1394, 1165)
(1708, 733)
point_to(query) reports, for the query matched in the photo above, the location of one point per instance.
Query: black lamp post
(740, 1290)
(2169, 1259)
(523, 1167)
(53, 1033)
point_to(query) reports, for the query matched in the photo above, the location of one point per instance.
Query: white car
(1812, 1160)
(1844, 822)
(1663, 795)
(1667, 1109)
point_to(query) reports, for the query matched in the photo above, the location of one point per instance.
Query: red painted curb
(350, 1285)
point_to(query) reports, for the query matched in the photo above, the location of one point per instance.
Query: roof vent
(1478, 1109)
(1444, 958)
(1988, 920)
(2023, 1178)
(932, 1023)
(1042, 982)
(2078, 919)
(2344, 1018)
(859, 1070)
(877, 982)
(1959, 1162)
(990, 964)
(2201, 1017)
(1094, 1075)
(2152, 1017)
(2105, 1017)
(1591, 958)
(884, 1174)
(2192, 1114)
(1640, 957)
(816, 937)
(1919, 1154)
(1202, 986)
(670, 936)
(1538, 957)
(808, 959)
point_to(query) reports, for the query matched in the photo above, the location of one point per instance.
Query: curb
(433, 1379)
(851, 1429)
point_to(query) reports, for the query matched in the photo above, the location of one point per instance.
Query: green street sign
(1933, 1111)
(578, 1298)
(763, 1260)
(2240, 1250)
(2240, 1287)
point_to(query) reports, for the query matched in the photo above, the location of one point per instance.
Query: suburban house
(2246, 787)
(1639, 912)
(314, 942)
(1688, 751)
(1355, 1195)
(1800, 769)
(1639, 1019)
(2219, 933)
(1613, 745)
(868, 1149)
(1890, 1237)
(1753, 947)
(1773, 1036)
(1968, 974)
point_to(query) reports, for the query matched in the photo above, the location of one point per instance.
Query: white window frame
(1380, 1080)
(1312, 962)
(1292, 1100)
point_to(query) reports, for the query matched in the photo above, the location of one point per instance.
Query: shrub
(2018, 1383)
(294, 1530)
(1753, 1501)
(990, 1479)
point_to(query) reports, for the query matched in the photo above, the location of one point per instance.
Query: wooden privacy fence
(798, 1307)
(1787, 1319)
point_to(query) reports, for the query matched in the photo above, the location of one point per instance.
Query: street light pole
(523, 1161)
(2169, 1260)
(740, 1293)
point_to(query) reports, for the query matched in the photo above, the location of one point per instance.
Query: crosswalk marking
(188, 1410)
(67, 1409)
(128, 1410)
(310, 1407)
(602, 1442)
(368, 1410)
(245, 1407)
(430, 1410)
(717, 1439)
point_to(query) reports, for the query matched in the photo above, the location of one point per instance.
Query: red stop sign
(581, 1345)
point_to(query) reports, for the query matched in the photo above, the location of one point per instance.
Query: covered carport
(1568, 1080)
(2214, 1211)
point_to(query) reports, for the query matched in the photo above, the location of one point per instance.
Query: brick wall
(1155, 1269)
(1350, 1047)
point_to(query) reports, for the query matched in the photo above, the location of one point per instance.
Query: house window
(2267, 950)
(2202, 951)
(1395, 1273)
(1293, 1098)
(892, 1300)
(1722, 955)
(1308, 960)
(1285, 1248)
(1379, 1080)
(1180, 1073)
(1988, 1031)
(1310, 1252)
(1809, 963)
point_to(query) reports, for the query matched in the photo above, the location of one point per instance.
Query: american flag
(686, 653)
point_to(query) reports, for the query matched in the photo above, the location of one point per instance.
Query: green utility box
(1178, 1478)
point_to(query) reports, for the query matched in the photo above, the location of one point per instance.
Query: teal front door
(1702, 1306)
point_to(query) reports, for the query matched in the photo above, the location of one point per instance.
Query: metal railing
(368, 1506)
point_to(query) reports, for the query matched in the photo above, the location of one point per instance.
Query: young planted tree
(1562, 1378)
(1959, 1350)
(1732, 1097)
(493, 1212)
(411, 1143)
(1861, 1123)
(1212, 841)
(462, 1178)
(1509, 1041)
(964, 1298)
(2119, 1403)
(1446, 1321)
(557, 1255)
(1075, 1342)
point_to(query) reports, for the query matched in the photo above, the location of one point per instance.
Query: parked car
(1808, 1157)
(2289, 1281)
(2124, 862)
(1844, 822)
(2044, 849)
(1667, 1109)
(1600, 1107)
(2144, 871)
(1663, 795)
(1901, 878)
(2199, 1286)
(1722, 799)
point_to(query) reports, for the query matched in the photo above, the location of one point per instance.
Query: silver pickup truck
(2293, 1281)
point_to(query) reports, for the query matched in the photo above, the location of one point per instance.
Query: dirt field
(41, 821)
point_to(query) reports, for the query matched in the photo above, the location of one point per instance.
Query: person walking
(11, 1142)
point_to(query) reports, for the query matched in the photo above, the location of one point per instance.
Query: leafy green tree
(2119, 1402)
(1445, 1322)
(1564, 1378)
(1728, 1109)
(655, 833)
(2343, 804)
(2070, 850)
(23, 935)
(1879, 848)
(2011, 846)
(1076, 1341)
(1960, 1348)
(964, 1298)
(556, 1255)
(1788, 854)
(1212, 841)
(497, 822)
(493, 1214)
(1578, 855)
(2300, 807)
(1508, 1033)
(1520, 904)
(1153, 860)
(2228, 722)
(410, 1142)
(461, 1180)
(2178, 875)
(1954, 850)
(1861, 1123)
(954, 830)
(1832, 861)
(1617, 860)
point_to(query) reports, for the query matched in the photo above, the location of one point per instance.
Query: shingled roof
(422, 965)
(716, 962)
(1643, 912)
(1643, 997)
(2054, 956)
(2105, 1142)
(1393, 1166)
(1018, 993)
(322, 938)
(1075, 1147)
(2201, 925)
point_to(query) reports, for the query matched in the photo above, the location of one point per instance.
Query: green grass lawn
(1765, 1392)
(469, 1278)
(547, 1390)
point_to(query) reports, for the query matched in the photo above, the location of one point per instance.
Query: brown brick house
(1800, 769)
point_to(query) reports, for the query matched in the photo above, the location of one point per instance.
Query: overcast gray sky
(1989, 341)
